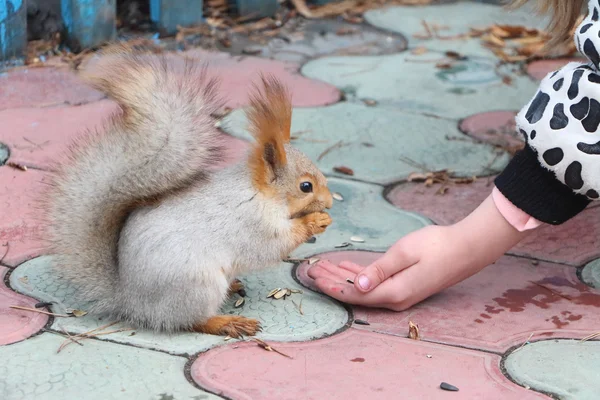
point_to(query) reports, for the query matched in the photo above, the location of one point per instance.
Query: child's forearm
(488, 234)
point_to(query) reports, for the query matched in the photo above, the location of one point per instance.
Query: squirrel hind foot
(237, 287)
(229, 325)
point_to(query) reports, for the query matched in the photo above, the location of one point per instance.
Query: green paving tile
(381, 145)
(97, 370)
(569, 369)
(457, 18)
(414, 83)
(281, 319)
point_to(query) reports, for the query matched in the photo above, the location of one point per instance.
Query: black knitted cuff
(535, 190)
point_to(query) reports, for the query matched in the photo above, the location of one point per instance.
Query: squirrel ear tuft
(270, 117)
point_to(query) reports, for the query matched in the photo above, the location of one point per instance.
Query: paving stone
(540, 68)
(495, 127)
(101, 370)
(20, 234)
(562, 244)
(4, 153)
(36, 137)
(300, 40)
(16, 325)
(281, 319)
(374, 141)
(414, 83)
(354, 365)
(364, 213)
(494, 310)
(590, 274)
(568, 369)
(43, 87)
(453, 21)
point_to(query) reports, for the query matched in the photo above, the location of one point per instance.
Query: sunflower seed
(43, 304)
(78, 313)
(311, 240)
(297, 291)
(349, 281)
(239, 303)
(280, 294)
(361, 322)
(449, 387)
(289, 292)
(338, 197)
(313, 260)
(272, 292)
(429, 356)
(357, 239)
(226, 338)
(345, 244)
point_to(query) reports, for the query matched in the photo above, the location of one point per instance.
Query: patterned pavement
(368, 101)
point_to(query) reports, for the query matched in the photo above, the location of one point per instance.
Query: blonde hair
(564, 17)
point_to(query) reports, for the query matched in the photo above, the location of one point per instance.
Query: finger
(350, 266)
(348, 293)
(393, 261)
(317, 271)
(342, 274)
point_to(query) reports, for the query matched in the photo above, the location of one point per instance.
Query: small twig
(299, 307)
(590, 337)
(108, 333)
(39, 311)
(90, 335)
(524, 343)
(18, 166)
(329, 149)
(267, 347)
(70, 337)
(552, 291)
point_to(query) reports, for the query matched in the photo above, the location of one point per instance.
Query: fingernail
(363, 282)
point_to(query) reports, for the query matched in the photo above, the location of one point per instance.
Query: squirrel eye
(306, 187)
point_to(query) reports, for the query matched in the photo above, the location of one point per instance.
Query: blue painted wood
(256, 8)
(167, 14)
(89, 23)
(13, 29)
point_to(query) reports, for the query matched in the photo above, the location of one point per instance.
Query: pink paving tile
(16, 325)
(42, 87)
(354, 365)
(20, 236)
(539, 69)
(562, 244)
(237, 73)
(495, 127)
(36, 136)
(493, 310)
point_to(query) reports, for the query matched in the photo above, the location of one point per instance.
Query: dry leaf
(78, 313)
(344, 170)
(413, 331)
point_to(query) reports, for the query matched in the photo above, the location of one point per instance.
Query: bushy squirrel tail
(162, 139)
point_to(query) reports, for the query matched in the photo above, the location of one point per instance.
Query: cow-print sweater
(558, 173)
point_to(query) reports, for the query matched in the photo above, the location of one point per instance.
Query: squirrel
(142, 225)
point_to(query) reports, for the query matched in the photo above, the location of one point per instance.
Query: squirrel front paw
(317, 222)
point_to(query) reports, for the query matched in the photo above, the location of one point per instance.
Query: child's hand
(422, 263)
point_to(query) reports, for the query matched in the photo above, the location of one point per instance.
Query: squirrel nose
(328, 199)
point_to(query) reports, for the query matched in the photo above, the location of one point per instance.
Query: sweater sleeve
(558, 173)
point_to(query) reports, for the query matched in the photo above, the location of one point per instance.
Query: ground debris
(413, 331)
(268, 347)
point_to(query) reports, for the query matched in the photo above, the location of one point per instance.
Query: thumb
(392, 262)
